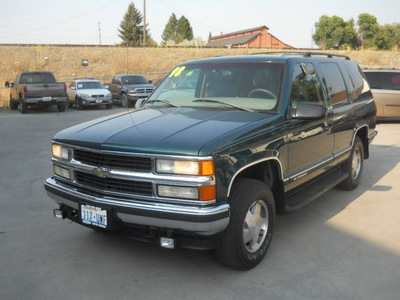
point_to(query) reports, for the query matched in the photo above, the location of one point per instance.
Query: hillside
(154, 63)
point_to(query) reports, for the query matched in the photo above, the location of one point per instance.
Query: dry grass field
(154, 63)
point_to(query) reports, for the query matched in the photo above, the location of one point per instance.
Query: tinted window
(374, 80)
(134, 80)
(334, 83)
(390, 80)
(37, 78)
(357, 79)
(305, 87)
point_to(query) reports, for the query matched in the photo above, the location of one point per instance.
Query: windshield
(90, 85)
(249, 85)
(134, 80)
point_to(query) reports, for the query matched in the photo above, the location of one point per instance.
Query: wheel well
(267, 172)
(363, 135)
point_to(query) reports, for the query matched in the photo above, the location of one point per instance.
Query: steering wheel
(263, 91)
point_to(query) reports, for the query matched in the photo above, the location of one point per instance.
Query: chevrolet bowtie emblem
(101, 172)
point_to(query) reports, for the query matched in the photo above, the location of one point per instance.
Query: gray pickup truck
(129, 88)
(38, 89)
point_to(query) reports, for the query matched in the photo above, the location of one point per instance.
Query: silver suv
(88, 92)
(385, 86)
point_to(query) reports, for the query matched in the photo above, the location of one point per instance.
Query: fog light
(61, 172)
(171, 191)
(167, 243)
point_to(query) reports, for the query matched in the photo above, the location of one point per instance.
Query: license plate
(46, 98)
(99, 101)
(95, 216)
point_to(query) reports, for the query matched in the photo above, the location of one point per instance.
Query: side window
(374, 80)
(334, 83)
(390, 80)
(357, 79)
(305, 85)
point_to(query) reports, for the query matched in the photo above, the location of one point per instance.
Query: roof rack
(329, 55)
(305, 54)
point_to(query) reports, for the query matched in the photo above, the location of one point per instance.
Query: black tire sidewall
(350, 183)
(233, 251)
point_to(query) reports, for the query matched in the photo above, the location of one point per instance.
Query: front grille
(120, 162)
(144, 91)
(97, 96)
(114, 185)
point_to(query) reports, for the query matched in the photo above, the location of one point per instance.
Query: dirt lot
(344, 245)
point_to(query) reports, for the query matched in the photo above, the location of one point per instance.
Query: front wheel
(13, 104)
(249, 233)
(353, 166)
(23, 107)
(61, 107)
(124, 101)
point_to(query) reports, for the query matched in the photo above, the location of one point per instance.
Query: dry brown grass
(154, 63)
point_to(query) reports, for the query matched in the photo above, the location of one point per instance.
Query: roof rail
(329, 55)
(83, 78)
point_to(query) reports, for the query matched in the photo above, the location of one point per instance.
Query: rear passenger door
(341, 112)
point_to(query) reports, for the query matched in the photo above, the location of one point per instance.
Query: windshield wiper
(163, 101)
(223, 102)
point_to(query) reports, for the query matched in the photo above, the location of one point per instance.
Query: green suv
(220, 147)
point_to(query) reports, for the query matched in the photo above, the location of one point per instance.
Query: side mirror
(309, 111)
(139, 102)
(7, 84)
(150, 81)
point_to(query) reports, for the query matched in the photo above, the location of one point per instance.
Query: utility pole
(144, 23)
(99, 35)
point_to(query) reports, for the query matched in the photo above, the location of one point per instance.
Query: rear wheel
(249, 233)
(354, 166)
(109, 106)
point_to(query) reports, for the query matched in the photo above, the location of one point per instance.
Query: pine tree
(131, 28)
(184, 30)
(169, 32)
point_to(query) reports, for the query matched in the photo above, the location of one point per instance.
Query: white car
(88, 92)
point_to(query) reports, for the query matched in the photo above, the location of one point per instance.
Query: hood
(93, 91)
(183, 131)
(138, 86)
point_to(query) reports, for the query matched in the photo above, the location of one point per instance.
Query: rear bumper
(52, 100)
(204, 221)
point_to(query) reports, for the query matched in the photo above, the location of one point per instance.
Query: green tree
(184, 30)
(367, 29)
(334, 32)
(131, 28)
(170, 30)
(209, 37)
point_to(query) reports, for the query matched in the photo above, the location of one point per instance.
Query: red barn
(250, 38)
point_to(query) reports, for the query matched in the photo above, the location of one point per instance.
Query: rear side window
(390, 80)
(374, 80)
(334, 83)
(357, 80)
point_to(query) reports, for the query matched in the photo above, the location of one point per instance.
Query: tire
(248, 235)
(109, 106)
(61, 107)
(13, 104)
(78, 104)
(23, 107)
(353, 166)
(124, 101)
(70, 104)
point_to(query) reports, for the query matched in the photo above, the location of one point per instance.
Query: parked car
(220, 147)
(385, 86)
(128, 88)
(38, 89)
(88, 92)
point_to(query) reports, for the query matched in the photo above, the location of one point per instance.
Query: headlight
(132, 92)
(108, 95)
(84, 95)
(185, 167)
(60, 151)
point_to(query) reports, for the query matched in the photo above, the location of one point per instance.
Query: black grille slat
(120, 162)
(114, 185)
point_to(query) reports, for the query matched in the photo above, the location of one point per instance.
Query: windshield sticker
(177, 71)
(80, 86)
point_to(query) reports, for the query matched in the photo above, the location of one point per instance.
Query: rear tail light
(25, 89)
(65, 88)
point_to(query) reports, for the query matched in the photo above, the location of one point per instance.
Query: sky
(81, 21)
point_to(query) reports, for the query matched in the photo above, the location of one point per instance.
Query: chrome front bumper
(199, 220)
